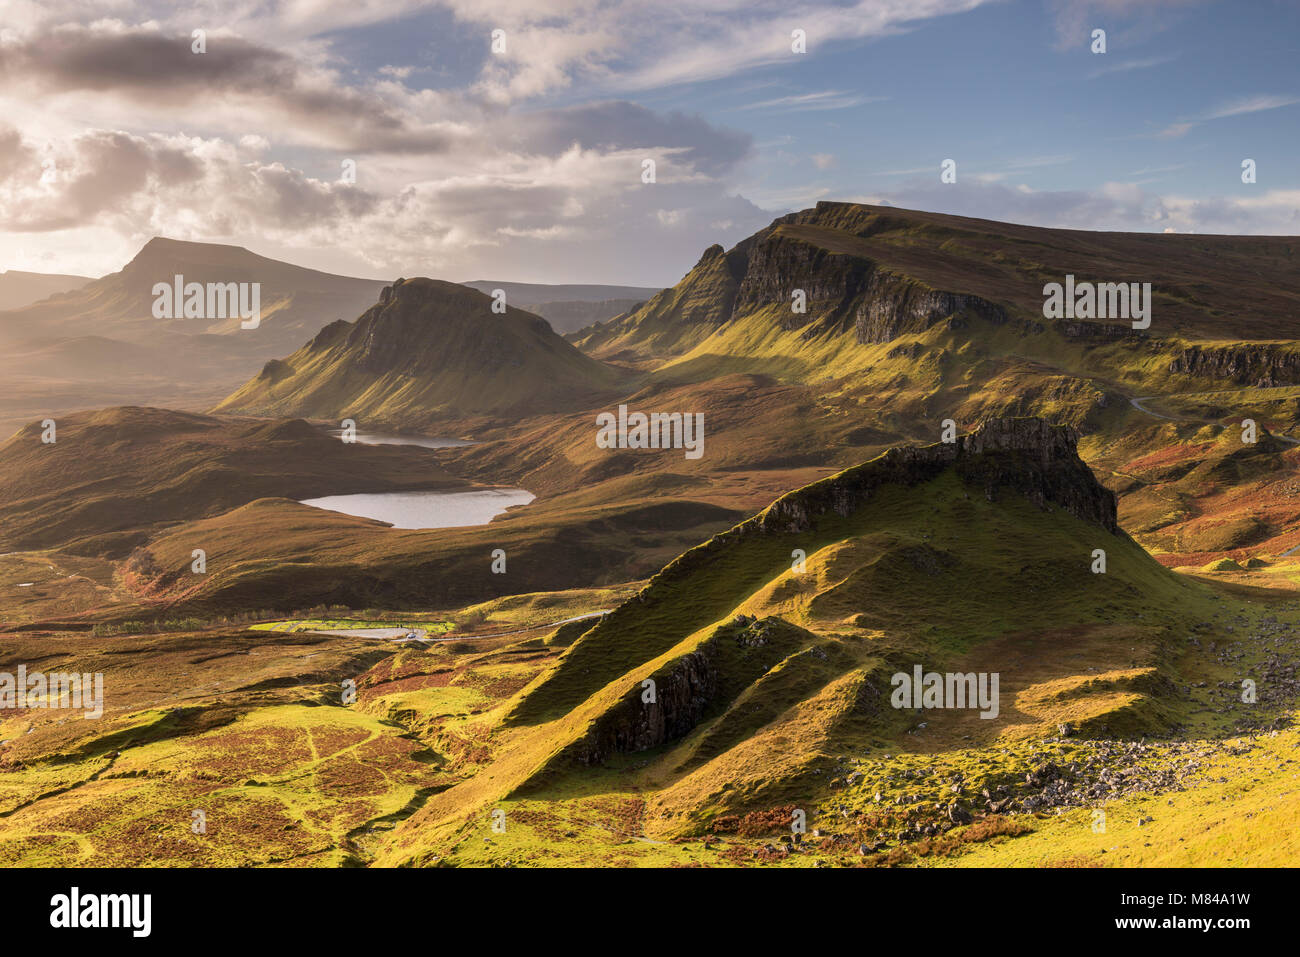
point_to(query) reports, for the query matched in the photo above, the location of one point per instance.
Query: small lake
(427, 509)
(397, 438)
(422, 509)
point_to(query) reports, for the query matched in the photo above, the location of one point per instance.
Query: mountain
(569, 308)
(875, 274)
(295, 302)
(975, 556)
(429, 352)
(101, 344)
(18, 289)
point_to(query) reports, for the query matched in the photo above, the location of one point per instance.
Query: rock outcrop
(1023, 455)
(680, 700)
(1003, 457)
(844, 292)
(1252, 364)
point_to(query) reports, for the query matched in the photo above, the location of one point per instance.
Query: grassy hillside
(429, 351)
(116, 476)
(972, 557)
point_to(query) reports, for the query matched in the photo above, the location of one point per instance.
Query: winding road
(1136, 402)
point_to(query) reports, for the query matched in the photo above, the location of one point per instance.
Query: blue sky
(526, 165)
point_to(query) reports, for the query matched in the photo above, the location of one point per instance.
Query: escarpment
(1023, 455)
(1252, 364)
(845, 292)
(640, 722)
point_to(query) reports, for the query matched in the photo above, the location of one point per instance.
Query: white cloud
(1241, 107)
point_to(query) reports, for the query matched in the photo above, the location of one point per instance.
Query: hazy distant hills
(429, 351)
(569, 308)
(18, 289)
(295, 302)
(100, 344)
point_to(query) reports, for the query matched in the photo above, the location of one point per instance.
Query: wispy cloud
(1149, 170)
(1033, 162)
(914, 171)
(1241, 107)
(823, 100)
(1126, 66)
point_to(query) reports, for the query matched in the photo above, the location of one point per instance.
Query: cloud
(1127, 66)
(626, 46)
(1126, 21)
(583, 210)
(234, 84)
(1033, 162)
(824, 100)
(620, 125)
(1241, 107)
(148, 184)
(447, 179)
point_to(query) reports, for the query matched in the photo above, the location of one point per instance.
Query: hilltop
(429, 351)
(99, 344)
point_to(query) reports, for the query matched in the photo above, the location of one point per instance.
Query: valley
(669, 651)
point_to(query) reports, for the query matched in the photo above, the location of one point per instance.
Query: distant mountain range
(569, 308)
(70, 342)
(18, 289)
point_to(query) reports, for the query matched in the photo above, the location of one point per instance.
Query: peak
(710, 254)
(163, 252)
(166, 244)
(421, 290)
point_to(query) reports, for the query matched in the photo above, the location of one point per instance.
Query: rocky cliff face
(844, 292)
(1097, 331)
(681, 698)
(1262, 366)
(1026, 456)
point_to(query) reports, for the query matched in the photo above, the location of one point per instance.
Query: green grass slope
(429, 352)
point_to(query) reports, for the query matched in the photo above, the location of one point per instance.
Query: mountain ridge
(428, 351)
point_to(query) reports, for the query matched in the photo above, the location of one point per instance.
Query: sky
(525, 162)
